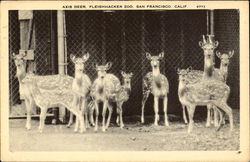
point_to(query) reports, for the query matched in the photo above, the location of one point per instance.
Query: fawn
(121, 97)
(204, 92)
(156, 83)
(104, 89)
(45, 92)
(81, 86)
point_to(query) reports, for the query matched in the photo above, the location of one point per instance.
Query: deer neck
(181, 88)
(208, 68)
(224, 69)
(21, 73)
(156, 72)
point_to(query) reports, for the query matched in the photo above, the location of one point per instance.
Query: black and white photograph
(124, 80)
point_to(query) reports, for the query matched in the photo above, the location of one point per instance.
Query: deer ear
(161, 55)
(178, 70)
(189, 68)
(148, 56)
(231, 53)
(216, 44)
(201, 44)
(13, 55)
(94, 65)
(122, 72)
(108, 65)
(85, 57)
(218, 54)
(131, 74)
(73, 58)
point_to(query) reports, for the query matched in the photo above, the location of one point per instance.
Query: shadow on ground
(134, 137)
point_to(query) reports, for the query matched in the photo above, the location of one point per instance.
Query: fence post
(61, 64)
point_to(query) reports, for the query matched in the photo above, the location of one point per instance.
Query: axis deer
(121, 97)
(204, 92)
(104, 89)
(45, 92)
(208, 45)
(156, 83)
(222, 71)
(81, 86)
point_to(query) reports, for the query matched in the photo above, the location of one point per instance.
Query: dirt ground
(134, 137)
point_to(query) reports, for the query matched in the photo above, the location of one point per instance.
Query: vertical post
(103, 38)
(163, 40)
(182, 41)
(207, 22)
(143, 57)
(60, 36)
(123, 42)
(212, 22)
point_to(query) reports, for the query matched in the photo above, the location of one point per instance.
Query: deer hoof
(166, 124)
(95, 129)
(207, 125)
(40, 130)
(142, 120)
(68, 126)
(103, 129)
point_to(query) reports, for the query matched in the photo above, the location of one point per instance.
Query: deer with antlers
(156, 83)
(104, 89)
(202, 93)
(81, 86)
(208, 46)
(45, 92)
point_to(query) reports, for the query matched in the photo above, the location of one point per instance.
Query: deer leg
(216, 124)
(28, 105)
(77, 104)
(83, 110)
(156, 108)
(191, 110)
(42, 118)
(96, 115)
(165, 109)
(110, 108)
(209, 106)
(91, 113)
(222, 115)
(228, 111)
(120, 113)
(184, 114)
(144, 99)
(70, 120)
(104, 115)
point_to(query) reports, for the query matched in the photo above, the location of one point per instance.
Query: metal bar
(207, 21)
(60, 39)
(212, 22)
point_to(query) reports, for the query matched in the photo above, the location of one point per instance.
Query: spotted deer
(45, 92)
(208, 45)
(81, 86)
(156, 83)
(104, 89)
(202, 93)
(222, 71)
(121, 96)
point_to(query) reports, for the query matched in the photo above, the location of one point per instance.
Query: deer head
(155, 60)
(79, 62)
(127, 79)
(102, 70)
(208, 45)
(20, 63)
(225, 58)
(183, 73)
